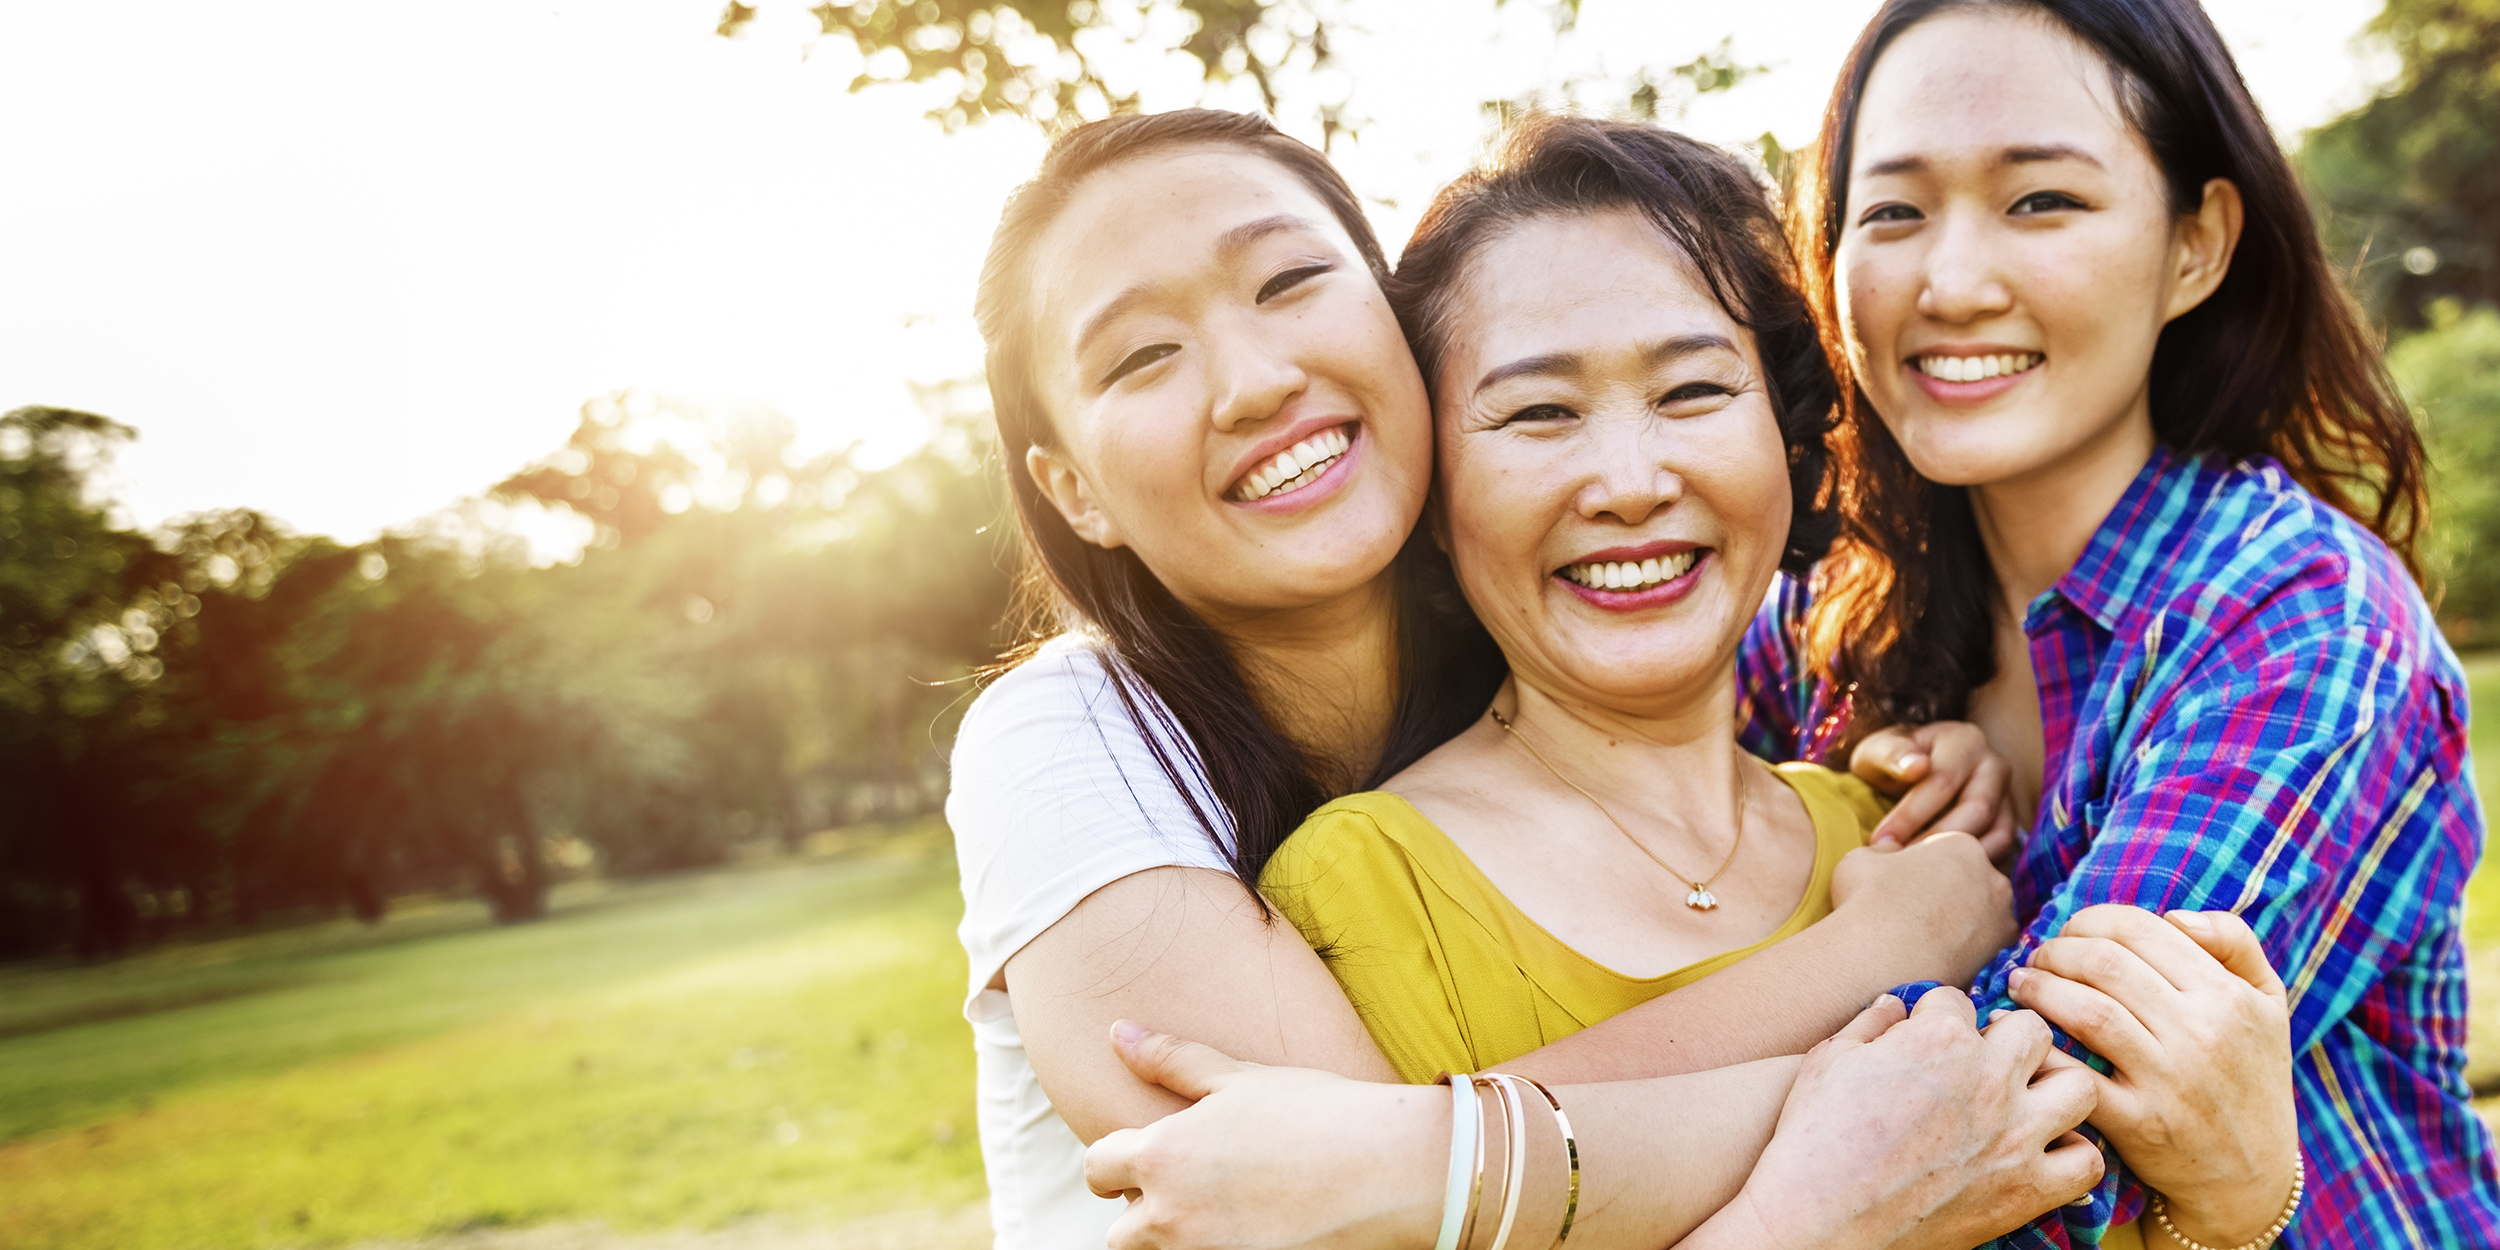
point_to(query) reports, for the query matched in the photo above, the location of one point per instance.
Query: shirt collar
(2128, 550)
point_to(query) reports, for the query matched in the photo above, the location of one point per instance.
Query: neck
(1325, 674)
(1678, 758)
(2036, 525)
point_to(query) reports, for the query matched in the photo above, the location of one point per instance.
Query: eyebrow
(1565, 364)
(1228, 245)
(2030, 154)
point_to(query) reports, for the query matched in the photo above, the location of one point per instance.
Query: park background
(497, 523)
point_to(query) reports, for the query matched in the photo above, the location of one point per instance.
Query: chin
(1969, 453)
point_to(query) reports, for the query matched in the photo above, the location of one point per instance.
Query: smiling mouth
(1976, 368)
(1295, 467)
(1633, 575)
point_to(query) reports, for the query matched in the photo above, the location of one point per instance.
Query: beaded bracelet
(2300, 1183)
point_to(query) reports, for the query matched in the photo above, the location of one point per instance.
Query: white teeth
(1632, 575)
(1295, 467)
(1976, 368)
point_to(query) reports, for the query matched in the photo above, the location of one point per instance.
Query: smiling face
(2008, 252)
(1615, 489)
(1229, 392)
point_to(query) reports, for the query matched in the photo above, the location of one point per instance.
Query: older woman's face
(1615, 490)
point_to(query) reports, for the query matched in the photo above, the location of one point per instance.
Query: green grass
(682, 1053)
(2482, 893)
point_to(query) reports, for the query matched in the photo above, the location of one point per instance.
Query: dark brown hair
(1265, 783)
(2275, 362)
(1704, 201)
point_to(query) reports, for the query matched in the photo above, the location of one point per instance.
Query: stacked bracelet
(1467, 1193)
(2300, 1184)
(1466, 1130)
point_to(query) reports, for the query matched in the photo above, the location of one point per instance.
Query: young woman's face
(2008, 253)
(1615, 491)
(1230, 393)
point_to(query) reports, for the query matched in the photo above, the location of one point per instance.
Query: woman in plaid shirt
(2127, 485)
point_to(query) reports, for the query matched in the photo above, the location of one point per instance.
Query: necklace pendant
(1701, 899)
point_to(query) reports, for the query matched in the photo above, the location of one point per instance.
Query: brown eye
(1290, 279)
(2045, 202)
(1540, 412)
(1890, 213)
(1691, 391)
(1139, 359)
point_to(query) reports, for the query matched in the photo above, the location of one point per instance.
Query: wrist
(2231, 1216)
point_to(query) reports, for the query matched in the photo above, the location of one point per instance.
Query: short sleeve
(1057, 790)
(1360, 901)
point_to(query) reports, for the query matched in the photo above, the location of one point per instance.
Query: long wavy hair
(1447, 667)
(1703, 200)
(2276, 362)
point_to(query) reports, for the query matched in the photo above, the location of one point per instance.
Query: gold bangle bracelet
(1571, 1157)
(2300, 1184)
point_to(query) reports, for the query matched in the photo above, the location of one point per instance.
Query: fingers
(1871, 1023)
(2002, 841)
(2026, 1034)
(2069, 1169)
(1945, 1002)
(1111, 1163)
(2091, 1017)
(1192, 1070)
(2162, 945)
(1889, 759)
(2230, 941)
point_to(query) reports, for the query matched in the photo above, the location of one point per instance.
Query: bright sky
(347, 263)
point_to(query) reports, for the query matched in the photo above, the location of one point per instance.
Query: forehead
(1575, 283)
(1156, 220)
(1975, 81)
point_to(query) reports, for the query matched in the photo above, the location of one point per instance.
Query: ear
(1065, 488)
(2204, 242)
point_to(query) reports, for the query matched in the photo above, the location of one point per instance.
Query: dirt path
(961, 1228)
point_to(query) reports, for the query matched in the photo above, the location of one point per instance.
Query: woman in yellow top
(1615, 493)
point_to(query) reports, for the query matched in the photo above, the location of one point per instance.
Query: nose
(1630, 472)
(1251, 377)
(1960, 280)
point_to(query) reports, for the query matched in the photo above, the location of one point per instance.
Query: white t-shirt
(1055, 795)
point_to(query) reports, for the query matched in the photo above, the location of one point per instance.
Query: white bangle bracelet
(1514, 1163)
(1466, 1126)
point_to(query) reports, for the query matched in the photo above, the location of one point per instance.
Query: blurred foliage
(1041, 59)
(2408, 185)
(224, 719)
(2451, 372)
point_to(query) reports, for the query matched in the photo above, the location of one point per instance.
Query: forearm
(1781, 1001)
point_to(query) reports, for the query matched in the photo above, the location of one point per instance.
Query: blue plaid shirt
(2247, 705)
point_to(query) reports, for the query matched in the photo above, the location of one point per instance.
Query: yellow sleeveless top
(1447, 974)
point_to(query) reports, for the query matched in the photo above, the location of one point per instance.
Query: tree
(1044, 59)
(2408, 185)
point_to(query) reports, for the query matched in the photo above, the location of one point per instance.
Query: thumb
(1190, 1069)
(2230, 941)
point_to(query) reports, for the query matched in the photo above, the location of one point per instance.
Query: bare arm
(1935, 910)
(1933, 1135)
(1187, 951)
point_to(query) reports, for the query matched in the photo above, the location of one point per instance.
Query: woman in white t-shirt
(1219, 448)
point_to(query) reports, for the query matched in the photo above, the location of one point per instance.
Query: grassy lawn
(679, 1053)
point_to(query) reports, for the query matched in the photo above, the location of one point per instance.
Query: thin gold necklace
(1700, 899)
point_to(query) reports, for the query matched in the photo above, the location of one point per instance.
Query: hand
(1924, 1132)
(1261, 1160)
(1938, 894)
(1947, 778)
(2198, 1029)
